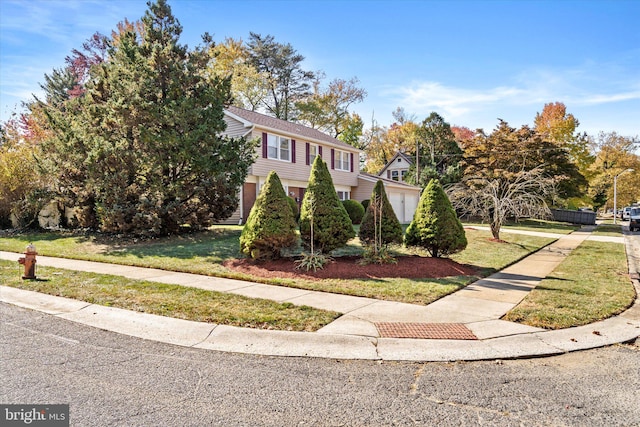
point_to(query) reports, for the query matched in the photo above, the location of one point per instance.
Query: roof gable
(249, 118)
(400, 154)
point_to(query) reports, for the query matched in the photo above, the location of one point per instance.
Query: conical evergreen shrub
(332, 227)
(271, 225)
(435, 225)
(380, 215)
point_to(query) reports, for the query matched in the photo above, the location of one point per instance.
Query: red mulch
(412, 267)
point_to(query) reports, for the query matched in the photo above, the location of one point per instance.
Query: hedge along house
(289, 149)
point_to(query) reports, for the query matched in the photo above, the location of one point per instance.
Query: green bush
(388, 227)
(354, 209)
(435, 225)
(332, 227)
(271, 225)
(365, 204)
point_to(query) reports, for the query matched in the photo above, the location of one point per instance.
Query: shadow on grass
(205, 244)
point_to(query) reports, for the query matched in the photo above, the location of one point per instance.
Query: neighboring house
(397, 168)
(289, 149)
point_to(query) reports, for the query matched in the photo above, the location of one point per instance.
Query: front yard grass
(608, 230)
(169, 300)
(203, 253)
(591, 284)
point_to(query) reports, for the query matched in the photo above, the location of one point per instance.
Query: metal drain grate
(433, 331)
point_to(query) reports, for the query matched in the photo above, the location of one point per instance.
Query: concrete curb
(618, 329)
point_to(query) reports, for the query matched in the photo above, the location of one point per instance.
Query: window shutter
(264, 145)
(351, 162)
(307, 153)
(320, 151)
(293, 151)
(333, 155)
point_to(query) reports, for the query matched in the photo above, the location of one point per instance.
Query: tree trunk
(495, 230)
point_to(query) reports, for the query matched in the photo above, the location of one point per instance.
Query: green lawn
(203, 253)
(168, 300)
(591, 284)
(608, 230)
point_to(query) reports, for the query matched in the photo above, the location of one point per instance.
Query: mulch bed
(347, 267)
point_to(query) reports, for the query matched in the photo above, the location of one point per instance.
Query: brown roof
(262, 120)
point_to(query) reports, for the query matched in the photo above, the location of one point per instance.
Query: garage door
(410, 206)
(397, 202)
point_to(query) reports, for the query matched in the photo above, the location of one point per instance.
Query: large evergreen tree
(141, 149)
(332, 226)
(435, 225)
(271, 225)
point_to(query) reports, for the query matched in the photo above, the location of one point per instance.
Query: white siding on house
(399, 164)
(363, 190)
(234, 127)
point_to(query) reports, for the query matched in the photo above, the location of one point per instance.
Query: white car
(625, 213)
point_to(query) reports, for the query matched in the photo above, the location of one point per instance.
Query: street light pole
(615, 194)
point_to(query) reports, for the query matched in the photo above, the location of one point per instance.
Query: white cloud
(592, 88)
(423, 97)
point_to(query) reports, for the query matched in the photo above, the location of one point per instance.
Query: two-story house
(290, 148)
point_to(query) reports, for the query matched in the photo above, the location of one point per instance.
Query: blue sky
(471, 61)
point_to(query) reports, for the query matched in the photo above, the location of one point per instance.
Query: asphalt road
(110, 379)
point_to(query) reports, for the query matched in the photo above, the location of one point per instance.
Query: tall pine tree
(141, 149)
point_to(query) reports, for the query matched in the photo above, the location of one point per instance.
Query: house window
(278, 148)
(342, 160)
(344, 195)
(313, 153)
(403, 174)
(394, 175)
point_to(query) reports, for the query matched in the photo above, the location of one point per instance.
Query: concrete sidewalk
(476, 309)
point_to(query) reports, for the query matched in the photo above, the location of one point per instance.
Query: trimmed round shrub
(271, 225)
(365, 204)
(435, 225)
(354, 209)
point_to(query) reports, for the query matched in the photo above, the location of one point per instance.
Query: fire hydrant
(29, 262)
